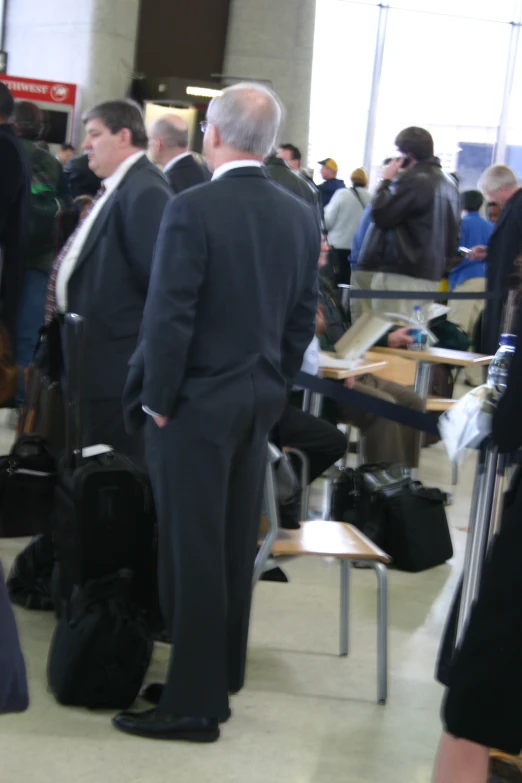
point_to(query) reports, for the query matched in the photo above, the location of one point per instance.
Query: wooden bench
(344, 542)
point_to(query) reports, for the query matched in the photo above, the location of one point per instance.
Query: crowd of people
(205, 285)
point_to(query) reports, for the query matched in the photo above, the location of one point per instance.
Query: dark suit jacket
(109, 284)
(504, 246)
(81, 179)
(15, 194)
(187, 173)
(289, 179)
(233, 293)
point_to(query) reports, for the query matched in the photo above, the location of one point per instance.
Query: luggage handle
(74, 340)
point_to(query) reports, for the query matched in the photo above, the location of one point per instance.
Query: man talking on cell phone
(230, 311)
(415, 223)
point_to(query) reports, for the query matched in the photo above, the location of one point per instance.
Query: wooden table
(314, 402)
(430, 356)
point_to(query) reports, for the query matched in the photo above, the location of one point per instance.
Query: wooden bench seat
(328, 539)
(346, 543)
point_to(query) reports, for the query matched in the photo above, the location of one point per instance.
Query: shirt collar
(112, 182)
(235, 164)
(172, 162)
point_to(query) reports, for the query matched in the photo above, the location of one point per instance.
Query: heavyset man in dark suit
(169, 140)
(230, 312)
(103, 272)
(15, 193)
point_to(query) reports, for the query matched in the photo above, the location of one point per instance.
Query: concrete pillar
(274, 40)
(90, 43)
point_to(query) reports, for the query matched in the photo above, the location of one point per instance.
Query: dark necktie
(50, 302)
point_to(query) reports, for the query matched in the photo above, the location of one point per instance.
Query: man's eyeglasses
(203, 125)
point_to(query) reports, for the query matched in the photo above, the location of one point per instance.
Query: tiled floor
(306, 716)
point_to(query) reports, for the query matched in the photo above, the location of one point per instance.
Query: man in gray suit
(103, 272)
(230, 312)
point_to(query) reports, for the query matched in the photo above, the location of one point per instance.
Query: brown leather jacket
(415, 224)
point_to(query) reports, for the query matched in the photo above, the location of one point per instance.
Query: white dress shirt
(69, 262)
(310, 363)
(172, 162)
(235, 164)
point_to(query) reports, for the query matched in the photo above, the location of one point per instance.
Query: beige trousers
(361, 281)
(465, 314)
(385, 440)
(384, 281)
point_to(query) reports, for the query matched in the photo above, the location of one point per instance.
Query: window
(437, 83)
(445, 65)
(344, 50)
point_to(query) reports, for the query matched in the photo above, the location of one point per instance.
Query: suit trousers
(321, 441)
(207, 469)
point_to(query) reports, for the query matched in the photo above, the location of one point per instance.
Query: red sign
(37, 90)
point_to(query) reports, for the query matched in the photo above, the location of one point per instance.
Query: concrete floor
(306, 715)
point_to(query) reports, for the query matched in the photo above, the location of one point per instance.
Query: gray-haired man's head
(498, 183)
(169, 137)
(243, 123)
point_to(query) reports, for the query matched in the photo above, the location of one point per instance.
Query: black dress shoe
(164, 726)
(153, 693)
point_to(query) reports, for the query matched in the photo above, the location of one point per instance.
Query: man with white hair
(230, 312)
(169, 148)
(499, 184)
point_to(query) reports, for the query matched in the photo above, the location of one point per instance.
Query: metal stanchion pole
(480, 518)
(503, 464)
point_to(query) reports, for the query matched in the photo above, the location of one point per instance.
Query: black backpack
(101, 648)
(29, 581)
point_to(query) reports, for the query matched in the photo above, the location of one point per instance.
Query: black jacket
(415, 224)
(504, 246)
(81, 180)
(187, 173)
(109, 283)
(281, 172)
(15, 193)
(228, 299)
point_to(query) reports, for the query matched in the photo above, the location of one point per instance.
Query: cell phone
(406, 162)
(464, 251)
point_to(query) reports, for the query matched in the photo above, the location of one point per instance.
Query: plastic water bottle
(499, 367)
(418, 332)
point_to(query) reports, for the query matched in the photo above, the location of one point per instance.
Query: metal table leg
(422, 387)
(422, 380)
(382, 632)
(345, 608)
(307, 394)
(316, 404)
(270, 506)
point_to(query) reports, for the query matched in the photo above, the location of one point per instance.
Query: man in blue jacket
(329, 171)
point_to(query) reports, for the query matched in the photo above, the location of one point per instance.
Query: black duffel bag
(29, 580)
(27, 482)
(101, 648)
(401, 516)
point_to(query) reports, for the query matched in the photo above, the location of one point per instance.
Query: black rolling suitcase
(104, 518)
